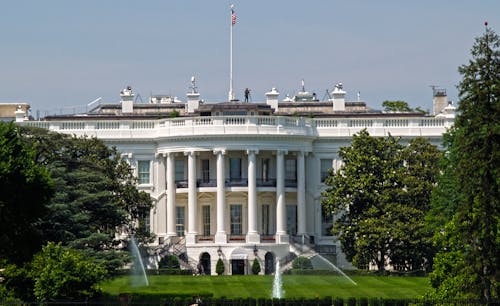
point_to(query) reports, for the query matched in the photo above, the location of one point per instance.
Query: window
(205, 170)
(179, 220)
(206, 220)
(265, 169)
(235, 169)
(265, 219)
(326, 165)
(326, 223)
(291, 169)
(143, 167)
(236, 226)
(291, 219)
(179, 170)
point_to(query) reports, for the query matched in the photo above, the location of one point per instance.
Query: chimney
(272, 98)
(193, 97)
(338, 98)
(440, 101)
(20, 114)
(127, 100)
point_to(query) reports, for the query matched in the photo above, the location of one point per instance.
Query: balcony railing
(181, 183)
(237, 182)
(266, 182)
(248, 125)
(241, 182)
(206, 183)
(291, 183)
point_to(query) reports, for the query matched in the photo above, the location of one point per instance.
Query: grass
(258, 286)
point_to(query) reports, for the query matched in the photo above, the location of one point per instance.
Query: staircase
(175, 246)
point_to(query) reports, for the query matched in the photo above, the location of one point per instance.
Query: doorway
(238, 266)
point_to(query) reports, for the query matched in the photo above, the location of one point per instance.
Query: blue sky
(59, 54)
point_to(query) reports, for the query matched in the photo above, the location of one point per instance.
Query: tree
(302, 263)
(95, 198)
(25, 188)
(470, 240)
(256, 266)
(396, 106)
(219, 267)
(65, 274)
(169, 262)
(381, 194)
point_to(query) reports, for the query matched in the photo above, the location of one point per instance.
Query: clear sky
(59, 54)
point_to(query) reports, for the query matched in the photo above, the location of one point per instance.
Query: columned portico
(281, 235)
(301, 194)
(220, 235)
(171, 190)
(192, 199)
(161, 210)
(252, 233)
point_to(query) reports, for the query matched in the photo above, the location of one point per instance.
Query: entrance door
(269, 263)
(238, 266)
(205, 264)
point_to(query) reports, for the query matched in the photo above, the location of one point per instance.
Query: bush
(169, 262)
(219, 268)
(302, 263)
(255, 267)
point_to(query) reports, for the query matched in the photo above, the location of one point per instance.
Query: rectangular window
(326, 223)
(291, 219)
(326, 165)
(265, 169)
(291, 169)
(179, 170)
(179, 220)
(235, 169)
(205, 170)
(265, 219)
(143, 167)
(236, 226)
(206, 220)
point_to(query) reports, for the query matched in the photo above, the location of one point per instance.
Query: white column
(301, 194)
(171, 190)
(281, 235)
(220, 235)
(192, 199)
(161, 210)
(252, 233)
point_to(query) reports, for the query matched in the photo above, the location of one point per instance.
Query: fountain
(138, 266)
(337, 269)
(278, 282)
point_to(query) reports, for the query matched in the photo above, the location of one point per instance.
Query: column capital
(190, 152)
(160, 154)
(252, 151)
(219, 151)
(281, 152)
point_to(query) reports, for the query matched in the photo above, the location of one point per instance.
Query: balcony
(206, 183)
(291, 183)
(237, 182)
(266, 182)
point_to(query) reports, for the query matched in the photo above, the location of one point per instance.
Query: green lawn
(256, 286)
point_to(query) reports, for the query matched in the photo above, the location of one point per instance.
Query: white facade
(241, 187)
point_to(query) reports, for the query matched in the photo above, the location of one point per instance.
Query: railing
(206, 183)
(291, 183)
(266, 182)
(251, 125)
(240, 182)
(181, 183)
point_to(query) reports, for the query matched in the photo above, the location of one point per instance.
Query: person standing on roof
(247, 93)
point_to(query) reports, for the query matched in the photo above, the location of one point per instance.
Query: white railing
(248, 125)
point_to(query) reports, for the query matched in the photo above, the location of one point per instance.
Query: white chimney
(193, 97)
(440, 101)
(338, 98)
(127, 100)
(272, 98)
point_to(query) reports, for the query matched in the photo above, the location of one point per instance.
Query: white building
(236, 180)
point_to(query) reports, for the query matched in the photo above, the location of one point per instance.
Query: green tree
(95, 199)
(468, 262)
(396, 106)
(219, 267)
(381, 194)
(302, 263)
(65, 274)
(25, 188)
(169, 262)
(256, 266)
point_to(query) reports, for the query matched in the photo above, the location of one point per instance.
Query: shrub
(255, 267)
(219, 268)
(302, 263)
(169, 262)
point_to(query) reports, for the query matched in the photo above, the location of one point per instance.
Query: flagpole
(231, 93)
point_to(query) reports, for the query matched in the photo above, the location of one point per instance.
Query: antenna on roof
(138, 97)
(327, 95)
(303, 86)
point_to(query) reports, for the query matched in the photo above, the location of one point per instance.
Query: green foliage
(302, 263)
(219, 268)
(396, 106)
(256, 266)
(25, 188)
(468, 262)
(65, 274)
(95, 195)
(381, 194)
(169, 262)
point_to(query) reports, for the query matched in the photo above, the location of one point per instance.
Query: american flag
(233, 17)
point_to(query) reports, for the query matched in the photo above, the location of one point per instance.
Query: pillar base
(191, 238)
(253, 237)
(220, 237)
(282, 238)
